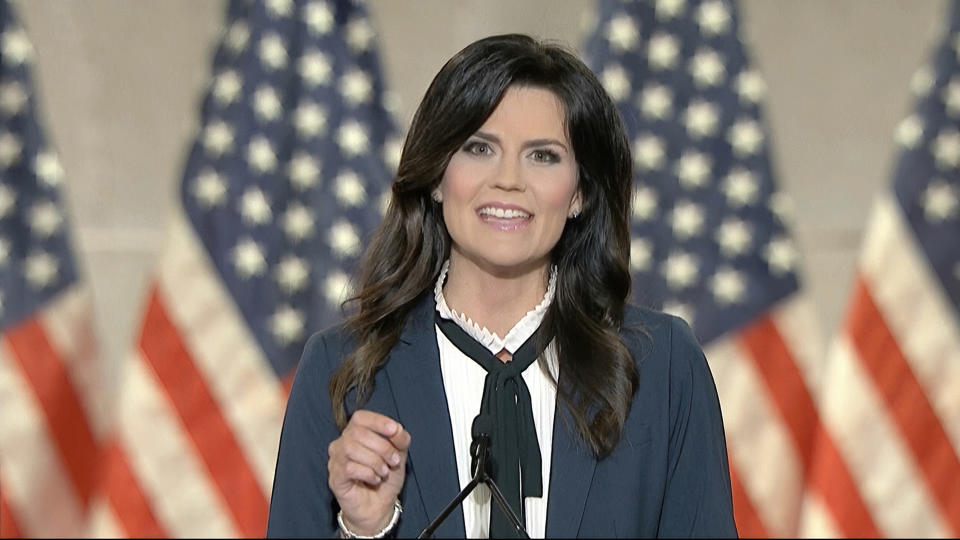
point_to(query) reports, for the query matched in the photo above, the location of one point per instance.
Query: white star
(273, 52)
(750, 86)
(315, 69)
(663, 51)
(707, 68)
(701, 118)
(910, 131)
(279, 8)
(41, 269)
(4, 251)
(353, 139)
(946, 148)
(217, 138)
(260, 155)
(922, 82)
(693, 169)
(681, 270)
(349, 189)
(641, 254)
(355, 87)
(616, 82)
(209, 189)
(939, 201)
(237, 37)
(391, 102)
(292, 274)
(728, 286)
(734, 237)
(7, 200)
(337, 288)
(644, 203)
(686, 219)
(649, 152)
(286, 324)
(10, 149)
(318, 17)
(248, 258)
(12, 98)
(45, 219)
(47, 167)
(383, 202)
(713, 18)
(359, 34)
(622, 33)
(781, 255)
(297, 222)
(782, 206)
(745, 136)
(679, 309)
(254, 207)
(343, 239)
(740, 187)
(656, 101)
(310, 120)
(227, 87)
(951, 97)
(266, 104)
(392, 150)
(304, 171)
(16, 48)
(668, 9)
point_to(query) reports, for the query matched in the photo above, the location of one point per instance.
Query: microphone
(479, 448)
(481, 429)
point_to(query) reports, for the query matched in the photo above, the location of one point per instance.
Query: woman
(509, 217)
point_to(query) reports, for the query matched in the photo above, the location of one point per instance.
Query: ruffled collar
(520, 332)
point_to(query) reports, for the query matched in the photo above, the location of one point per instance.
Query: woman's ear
(576, 205)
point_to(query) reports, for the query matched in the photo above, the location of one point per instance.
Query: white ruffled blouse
(463, 383)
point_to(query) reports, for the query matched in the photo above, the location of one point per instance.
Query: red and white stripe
(201, 412)
(54, 406)
(768, 377)
(891, 400)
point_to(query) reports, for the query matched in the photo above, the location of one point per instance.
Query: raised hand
(367, 467)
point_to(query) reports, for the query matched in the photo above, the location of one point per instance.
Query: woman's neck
(491, 300)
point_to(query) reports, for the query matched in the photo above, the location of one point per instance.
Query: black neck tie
(515, 450)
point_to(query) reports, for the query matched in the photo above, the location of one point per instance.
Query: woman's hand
(367, 467)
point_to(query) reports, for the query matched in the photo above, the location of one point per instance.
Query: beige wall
(121, 80)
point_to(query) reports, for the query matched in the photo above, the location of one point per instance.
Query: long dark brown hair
(598, 376)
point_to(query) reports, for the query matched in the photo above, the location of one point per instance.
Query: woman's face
(509, 189)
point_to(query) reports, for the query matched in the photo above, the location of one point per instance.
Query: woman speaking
(497, 286)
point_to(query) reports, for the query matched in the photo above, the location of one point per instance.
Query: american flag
(711, 240)
(52, 399)
(282, 184)
(891, 396)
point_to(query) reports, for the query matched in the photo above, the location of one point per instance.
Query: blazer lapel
(413, 370)
(571, 472)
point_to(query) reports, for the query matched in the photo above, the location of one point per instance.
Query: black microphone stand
(478, 452)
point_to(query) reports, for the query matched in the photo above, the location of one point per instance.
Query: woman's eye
(478, 148)
(545, 156)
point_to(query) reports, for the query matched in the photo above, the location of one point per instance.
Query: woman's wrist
(347, 530)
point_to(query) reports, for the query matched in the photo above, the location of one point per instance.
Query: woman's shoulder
(324, 351)
(650, 333)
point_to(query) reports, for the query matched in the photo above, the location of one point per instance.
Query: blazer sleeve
(301, 504)
(697, 501)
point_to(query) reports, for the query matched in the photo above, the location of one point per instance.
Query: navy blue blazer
(667, 477)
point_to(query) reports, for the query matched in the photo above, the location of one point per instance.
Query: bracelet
(347, 533)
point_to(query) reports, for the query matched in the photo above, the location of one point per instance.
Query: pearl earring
(437, 197)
